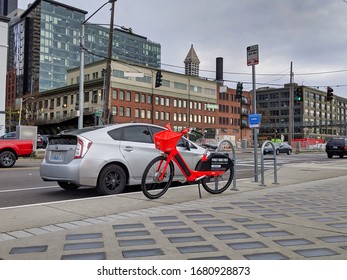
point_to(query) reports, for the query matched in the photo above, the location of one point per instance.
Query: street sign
(254, 120)
(252, 55)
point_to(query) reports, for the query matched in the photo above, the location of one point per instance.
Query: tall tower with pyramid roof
(192, 63)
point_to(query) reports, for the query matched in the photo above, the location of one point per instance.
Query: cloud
(310, 33)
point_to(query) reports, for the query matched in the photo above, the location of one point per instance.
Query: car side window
(155, 130)
(115, 134)
(138, 133)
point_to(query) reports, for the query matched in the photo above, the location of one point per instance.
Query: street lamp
(81, 85)
(21, 107)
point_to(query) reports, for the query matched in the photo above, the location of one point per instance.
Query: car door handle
(128, 149)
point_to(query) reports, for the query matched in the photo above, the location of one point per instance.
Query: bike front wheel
(218, 184)
(154, 185)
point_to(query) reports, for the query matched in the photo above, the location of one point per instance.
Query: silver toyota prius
(107, 157)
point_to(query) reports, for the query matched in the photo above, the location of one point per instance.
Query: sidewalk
(297, 219)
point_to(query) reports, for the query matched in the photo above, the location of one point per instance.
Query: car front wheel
(112, 180)
(7, 159)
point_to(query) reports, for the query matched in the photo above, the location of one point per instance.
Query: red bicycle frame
(191, 175)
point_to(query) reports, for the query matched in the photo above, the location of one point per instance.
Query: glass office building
(44, 42)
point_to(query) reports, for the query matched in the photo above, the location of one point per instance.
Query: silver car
(107, 157)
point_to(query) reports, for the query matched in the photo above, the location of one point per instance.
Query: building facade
(45, 42)
(233, 114)
(7, 6)
(3, 54)
(184, 101)
(314, 116)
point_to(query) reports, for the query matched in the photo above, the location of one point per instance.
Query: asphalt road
(22, 184)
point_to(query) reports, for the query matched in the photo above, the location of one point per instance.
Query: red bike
(214, 171)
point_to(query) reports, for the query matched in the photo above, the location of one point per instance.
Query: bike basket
(166, 140)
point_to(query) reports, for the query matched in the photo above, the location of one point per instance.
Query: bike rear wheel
(152, 186)
(219, 184)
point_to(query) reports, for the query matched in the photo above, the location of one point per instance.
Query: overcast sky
(310, 33)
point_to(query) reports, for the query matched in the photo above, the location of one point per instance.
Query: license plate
(57, 156)
(334, 147)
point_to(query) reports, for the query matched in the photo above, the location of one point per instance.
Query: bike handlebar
(184, 131)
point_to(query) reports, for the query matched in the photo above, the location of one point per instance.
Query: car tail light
(82, 147)
(345, 147)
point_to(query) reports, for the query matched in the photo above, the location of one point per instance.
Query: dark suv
(336, 146)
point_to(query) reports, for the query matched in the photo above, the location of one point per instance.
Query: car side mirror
(187, 145)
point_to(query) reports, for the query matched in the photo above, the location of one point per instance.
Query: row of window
(229, 121)
(163, 101)
(160, 115)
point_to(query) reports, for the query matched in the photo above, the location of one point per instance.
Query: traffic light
(330, 94)
(158, 79)
(239, 88)
(298, 94)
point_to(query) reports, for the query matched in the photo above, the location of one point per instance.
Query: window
(128, 96)
(121, 111)
(121, 95)
(137, 113)
(137, 134)
(137, 97)
(114, 110)
(114, 94)
(128, 112)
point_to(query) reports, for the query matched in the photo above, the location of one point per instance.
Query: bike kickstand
(199, 190)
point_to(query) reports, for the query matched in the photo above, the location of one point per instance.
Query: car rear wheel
(277, 152)
(341, 155)
(68, 186)
(112, 180)
(289, 152)
(7, 159)
(330, 155)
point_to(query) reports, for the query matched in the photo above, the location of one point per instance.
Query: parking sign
(252, 55)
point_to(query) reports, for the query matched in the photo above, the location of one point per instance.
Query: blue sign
(254, 120)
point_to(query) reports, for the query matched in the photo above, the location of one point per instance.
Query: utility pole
(108, 68)
(291, 106)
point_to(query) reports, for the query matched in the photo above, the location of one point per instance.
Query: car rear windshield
(339, 141)
(63, 140)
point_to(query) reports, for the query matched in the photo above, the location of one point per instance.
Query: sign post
(252, 60)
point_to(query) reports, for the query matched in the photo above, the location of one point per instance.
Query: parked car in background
(11, 149)
(107, 157)
(9, 135)
(45, 140)
(336, 147)
(281, 148)
(39, 143)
